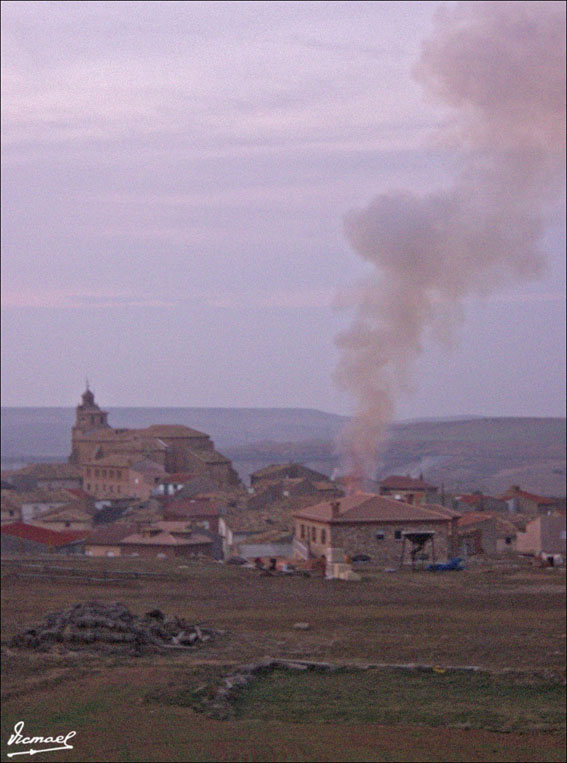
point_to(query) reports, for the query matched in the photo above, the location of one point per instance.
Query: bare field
(126, 708)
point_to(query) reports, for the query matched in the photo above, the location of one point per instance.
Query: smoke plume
(501, 66)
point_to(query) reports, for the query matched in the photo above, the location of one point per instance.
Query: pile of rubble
(95, 623)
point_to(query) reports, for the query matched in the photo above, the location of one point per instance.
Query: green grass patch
(470, 700)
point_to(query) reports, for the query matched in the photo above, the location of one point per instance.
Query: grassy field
(125, 708)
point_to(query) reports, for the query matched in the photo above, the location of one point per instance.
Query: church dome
(87, 397)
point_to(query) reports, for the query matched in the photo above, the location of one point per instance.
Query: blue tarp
(452, 564)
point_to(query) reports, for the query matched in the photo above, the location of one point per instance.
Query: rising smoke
(501, 65)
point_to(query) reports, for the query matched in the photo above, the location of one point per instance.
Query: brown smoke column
(501, 66)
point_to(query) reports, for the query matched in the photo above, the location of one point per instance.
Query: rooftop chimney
(335, 506)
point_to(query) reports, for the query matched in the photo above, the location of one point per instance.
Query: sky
(175, 183)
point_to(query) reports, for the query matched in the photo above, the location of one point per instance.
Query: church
(129, 463)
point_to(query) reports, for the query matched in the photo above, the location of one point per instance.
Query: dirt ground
(122, 709)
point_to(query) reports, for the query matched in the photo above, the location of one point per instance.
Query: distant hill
(37, 433)
(487, 454)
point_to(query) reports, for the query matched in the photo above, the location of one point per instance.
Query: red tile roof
(396, 481)
(187, 507)
(444, 510)
(539, 499)
(474, 517)
(171, 430)
(164, 539)
(472, 499)
(43, 535)
(367, 507)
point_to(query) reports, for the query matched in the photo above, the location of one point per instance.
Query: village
(147, 582)
(164, 492)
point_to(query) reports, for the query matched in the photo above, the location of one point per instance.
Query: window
(103, 473)
(302, 532)
(398, 534)
(508, 541)
(313, 534)
(323, 536)
(88, 472)
(118, 474)
(88, 486)
(111, 473)
(380, 535)
(96, 473)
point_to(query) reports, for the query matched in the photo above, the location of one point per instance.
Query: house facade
(481, 532)
(544, 535)
(373, 525)
(408, 489)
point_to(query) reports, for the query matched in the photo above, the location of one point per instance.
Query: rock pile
(95, 623)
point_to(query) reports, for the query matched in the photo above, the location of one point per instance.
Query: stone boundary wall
(219, 703)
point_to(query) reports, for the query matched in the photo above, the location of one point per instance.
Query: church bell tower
(88, 416)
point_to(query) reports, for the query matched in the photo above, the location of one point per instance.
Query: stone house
(121, 476)
(246, 527)
(481, 532)
(170, 484)
(155, 542)
(545, 534)
(105, 540)
(520, 501)
(48, 476)
(201, 513)
(373, 525)
(479, 502)
(70, 516)
(408, 489)
(34, 503)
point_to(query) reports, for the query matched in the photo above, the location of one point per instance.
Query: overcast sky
(175, 182)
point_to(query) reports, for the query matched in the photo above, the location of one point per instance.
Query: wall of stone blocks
(361, 539)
